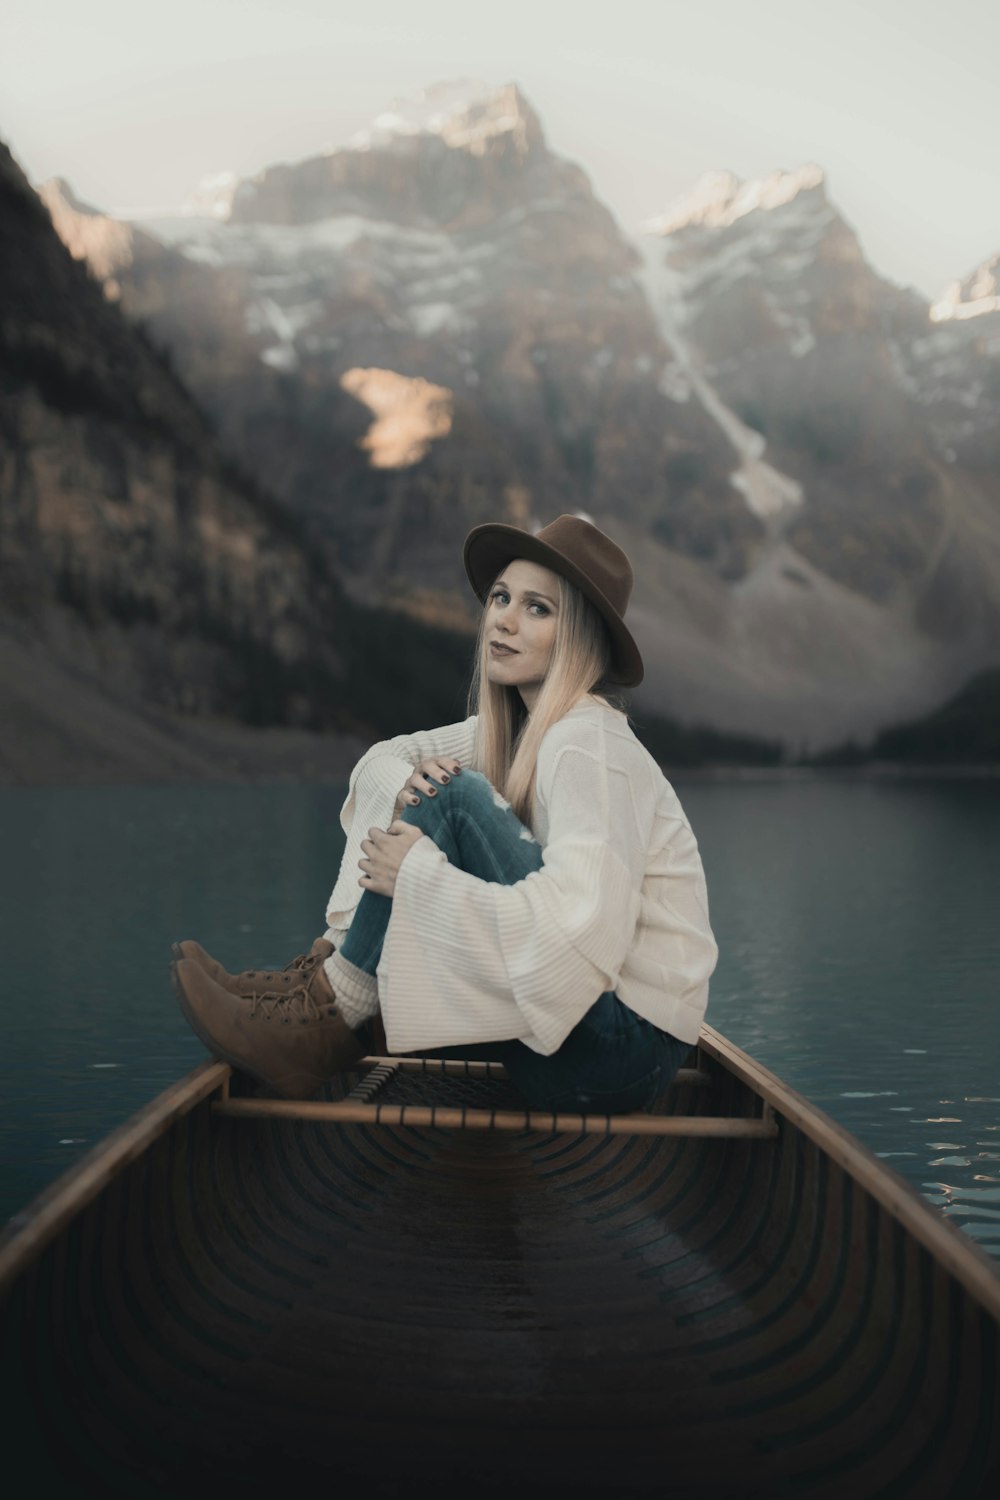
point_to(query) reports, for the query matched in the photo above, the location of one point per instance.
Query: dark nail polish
(444, 777)
(432, 792)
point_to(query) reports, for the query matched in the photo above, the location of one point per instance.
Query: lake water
(858, 923)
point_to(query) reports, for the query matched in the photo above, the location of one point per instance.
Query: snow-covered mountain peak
(56, 190)
(977, 294)
(426, 110)
(465, 113)
(213, 197)
(718, 199)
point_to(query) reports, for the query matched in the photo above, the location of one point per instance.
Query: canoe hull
(558, 1313)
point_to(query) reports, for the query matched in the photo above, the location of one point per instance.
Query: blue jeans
(613, 1061)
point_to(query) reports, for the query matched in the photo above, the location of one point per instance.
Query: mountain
(439, 323)
(884, 555)
(954, 374)
(469, 256)
(142, 573)
(809, 347)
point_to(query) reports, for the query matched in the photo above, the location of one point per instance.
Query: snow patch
(675, 383)
(770, 495)
(952, 306)
(432, 111)
(432, 317)
(213, 196)
(718, 199)
(280, 357)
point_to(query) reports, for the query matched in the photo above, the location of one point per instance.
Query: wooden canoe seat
(454, 1094)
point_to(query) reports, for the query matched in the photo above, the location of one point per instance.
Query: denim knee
(478, 829)
(469, 789)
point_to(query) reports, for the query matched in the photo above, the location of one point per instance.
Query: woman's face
(521, 614)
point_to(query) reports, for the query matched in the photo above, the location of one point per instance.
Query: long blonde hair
(507, 736)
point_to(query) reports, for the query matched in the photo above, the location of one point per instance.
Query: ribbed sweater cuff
(356, 991)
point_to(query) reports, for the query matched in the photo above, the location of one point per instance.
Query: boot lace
(298, 1005)
(303, 964)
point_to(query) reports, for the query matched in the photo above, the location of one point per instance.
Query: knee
(472, 792)
(479, 800)
(473, 787)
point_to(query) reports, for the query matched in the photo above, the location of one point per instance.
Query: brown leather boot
(256, 981)
(293, 1039)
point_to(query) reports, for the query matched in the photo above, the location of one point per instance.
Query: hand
(419, 781)
(384, 853)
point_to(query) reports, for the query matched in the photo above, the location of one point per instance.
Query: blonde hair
(508, 738)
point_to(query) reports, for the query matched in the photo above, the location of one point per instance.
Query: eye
(542, 607)
(497, 593)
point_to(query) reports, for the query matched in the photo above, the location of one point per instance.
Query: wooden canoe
(414, 1284)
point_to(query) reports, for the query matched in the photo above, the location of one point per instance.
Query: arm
(371, 795)
(527, 960)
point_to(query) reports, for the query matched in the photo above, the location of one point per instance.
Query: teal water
(857, 923)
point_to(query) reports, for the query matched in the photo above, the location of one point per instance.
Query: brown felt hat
(580, 552)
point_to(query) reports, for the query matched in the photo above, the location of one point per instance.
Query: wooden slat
(473, 1068)
(448, 1117)
(451, 1067)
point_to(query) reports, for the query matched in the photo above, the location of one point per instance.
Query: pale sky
(134, 103)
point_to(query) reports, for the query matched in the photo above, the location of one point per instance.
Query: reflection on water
(860, 953)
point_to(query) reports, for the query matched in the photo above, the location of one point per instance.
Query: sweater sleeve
(469, 960)
(374, 786)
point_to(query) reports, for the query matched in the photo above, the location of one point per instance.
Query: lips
(499, 650)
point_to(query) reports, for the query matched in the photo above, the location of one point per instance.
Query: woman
(560, 926)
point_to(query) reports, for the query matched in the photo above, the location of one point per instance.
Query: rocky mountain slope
(142, 574)
(440, 323)
(879, 588)
(469, 256)
(834, 368)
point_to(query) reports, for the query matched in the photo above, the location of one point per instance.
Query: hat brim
(490, 547)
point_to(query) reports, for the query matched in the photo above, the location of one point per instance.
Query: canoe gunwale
(36, 1225)
(949, 1246)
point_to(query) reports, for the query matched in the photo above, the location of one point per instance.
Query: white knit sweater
(619, 903)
